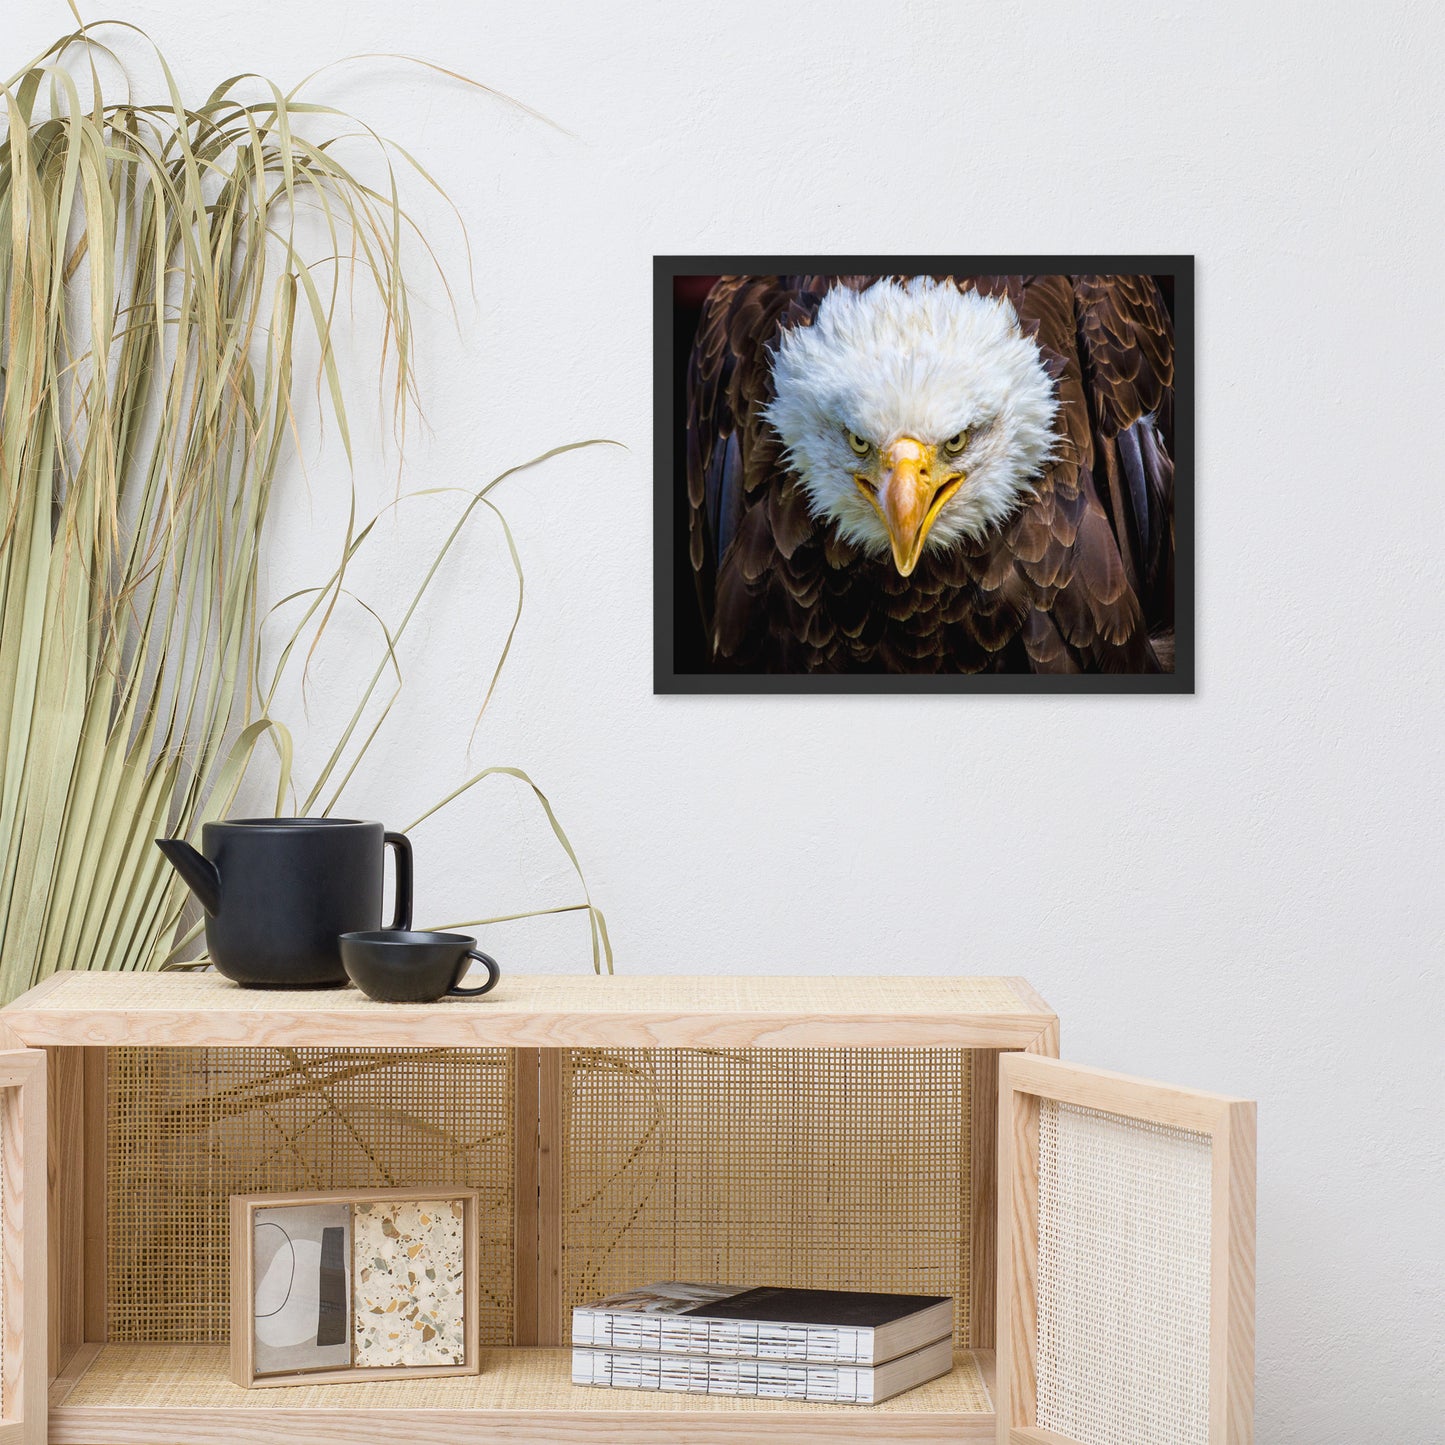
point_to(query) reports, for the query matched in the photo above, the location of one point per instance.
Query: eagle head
(915, 415)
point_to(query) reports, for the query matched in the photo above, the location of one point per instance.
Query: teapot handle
(402, 844)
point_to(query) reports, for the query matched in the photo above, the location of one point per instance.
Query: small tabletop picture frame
(352, 1285)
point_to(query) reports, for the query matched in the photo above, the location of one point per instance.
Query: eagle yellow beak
(913, 489)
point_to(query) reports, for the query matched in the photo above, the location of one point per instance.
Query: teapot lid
(290, 823)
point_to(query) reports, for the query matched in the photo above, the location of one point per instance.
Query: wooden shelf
(547, 1011)
(180, 1395)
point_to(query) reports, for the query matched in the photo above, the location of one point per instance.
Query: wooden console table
(105, 1390)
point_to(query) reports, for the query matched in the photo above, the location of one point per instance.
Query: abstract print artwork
(410, 1306)
(330, 1286)
(302, 1294)
(906, 474)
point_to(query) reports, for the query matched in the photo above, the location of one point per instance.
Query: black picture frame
(672, 584)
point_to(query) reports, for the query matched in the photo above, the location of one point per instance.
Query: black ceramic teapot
(279, 891)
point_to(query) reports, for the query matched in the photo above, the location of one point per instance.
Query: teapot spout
(199, 873)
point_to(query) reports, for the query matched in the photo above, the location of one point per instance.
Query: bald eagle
(933, 474)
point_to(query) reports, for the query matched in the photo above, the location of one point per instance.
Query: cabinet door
(1126, 1260)
(23, 1260)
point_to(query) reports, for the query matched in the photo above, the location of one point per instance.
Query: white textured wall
(1239, 890)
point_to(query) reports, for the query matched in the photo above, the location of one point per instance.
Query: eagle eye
(860, 447)
(956, 443)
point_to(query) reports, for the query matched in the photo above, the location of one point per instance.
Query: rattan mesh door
(1126, 1260)
(23, 1256)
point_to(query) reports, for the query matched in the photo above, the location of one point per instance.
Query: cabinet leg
(526, 1106)
(94, 1069)
(983, 1235)
(75, 1083)
(550, 1325)
(537, 1180)
(65, 1087)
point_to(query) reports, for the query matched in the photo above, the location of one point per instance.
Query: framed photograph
(924, 474)
(357, 1285)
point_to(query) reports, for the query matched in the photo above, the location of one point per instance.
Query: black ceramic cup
(394, 965)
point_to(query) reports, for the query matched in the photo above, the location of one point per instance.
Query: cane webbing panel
(826, 1168)
(138, 1377)
(187, 1128)
(1123, 1279)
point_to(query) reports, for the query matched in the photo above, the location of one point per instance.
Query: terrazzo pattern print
(409, 1289)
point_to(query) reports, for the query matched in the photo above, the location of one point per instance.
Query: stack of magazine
(833, 1346)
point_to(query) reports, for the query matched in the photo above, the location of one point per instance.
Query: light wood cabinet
(838, 1131)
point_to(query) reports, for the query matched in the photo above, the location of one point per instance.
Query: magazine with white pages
(812, 1326)
(765, 1379)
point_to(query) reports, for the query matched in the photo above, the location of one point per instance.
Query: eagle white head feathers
(914, 414)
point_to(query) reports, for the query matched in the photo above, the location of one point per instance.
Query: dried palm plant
(156, 293)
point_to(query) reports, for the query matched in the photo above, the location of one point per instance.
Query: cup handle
(494, 972)
(402, 844)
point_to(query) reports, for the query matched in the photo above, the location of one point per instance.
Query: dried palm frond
(155, 296)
